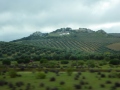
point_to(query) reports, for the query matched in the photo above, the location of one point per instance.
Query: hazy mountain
(115, 34)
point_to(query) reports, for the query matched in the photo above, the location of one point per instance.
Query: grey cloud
(26, 15)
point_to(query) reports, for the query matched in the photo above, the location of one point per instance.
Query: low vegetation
(86, 81)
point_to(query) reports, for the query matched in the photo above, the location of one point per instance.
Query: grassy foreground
(62, 81)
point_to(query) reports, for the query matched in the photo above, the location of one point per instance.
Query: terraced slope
(68, 39)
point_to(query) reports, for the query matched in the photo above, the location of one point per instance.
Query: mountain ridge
(82, 39)
(62, 32)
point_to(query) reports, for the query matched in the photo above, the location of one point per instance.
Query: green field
(89, 71)
(99, 75)
(85, 81)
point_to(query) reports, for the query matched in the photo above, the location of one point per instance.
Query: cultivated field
(115, 46)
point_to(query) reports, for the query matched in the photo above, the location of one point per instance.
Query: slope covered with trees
(62, 44)
(82, 39)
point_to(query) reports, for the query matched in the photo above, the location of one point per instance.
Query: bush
(47, 88)
(117, 84)
(20, 61)
(90, 63)
(103, 75)
(115, 62)
(62, 83)
(102, 85)
(3, 82)
(108, 82)
(69, 71)
(19, 84)
(82, 83)
(10, 85)
(12, 73)
(41, 84)
(77, 86)
(52, 79)
(6, 62)
(81, 63)
(64, 62)
(41, 75)
(114, 74)
(43, 61)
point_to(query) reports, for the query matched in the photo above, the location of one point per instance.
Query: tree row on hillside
(28, 52)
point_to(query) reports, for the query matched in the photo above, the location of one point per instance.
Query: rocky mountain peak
(38, 33)
(85, 30)
(101, 31)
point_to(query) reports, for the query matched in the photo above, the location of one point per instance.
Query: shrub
(10, 85)
(83, 77)
(113, 88)
(2, 82)
(64, 62)
(114, 74)
(102, 85)
(62, 83)
(28, 86)
(110, 76)
(47, 88)
(117, 84)
(12, 73)
(46, 71)
(40, 75)
(82, 82)
(69, 71)
(90, 64)
(103, 76)
(99, 73)
(90, 87)
(41, 85)
(76, 78)
(52, 79)
(79, 73)
(108, 82)
(6, 62)
(77, 86)
(19, 84)
(43, 61)
(115, 62)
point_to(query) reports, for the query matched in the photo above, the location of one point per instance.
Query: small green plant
(6, 62)
(69, 71)
(40, 75)
(64, 62)
(114, 74)
(52, 79)
(12, 73)
(115, 62)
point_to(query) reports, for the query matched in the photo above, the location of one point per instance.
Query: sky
(20, 18)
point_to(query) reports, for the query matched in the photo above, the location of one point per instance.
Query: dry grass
(115, 46)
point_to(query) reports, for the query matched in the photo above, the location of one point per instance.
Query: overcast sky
(19, 18)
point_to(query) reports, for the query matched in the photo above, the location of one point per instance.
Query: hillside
(62, 44)
(82, 39)
(15, 51)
